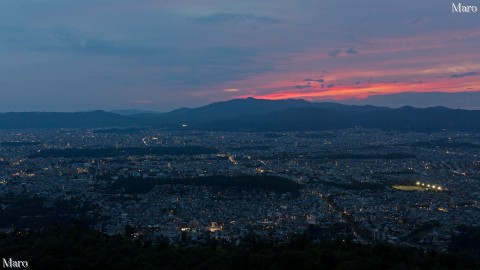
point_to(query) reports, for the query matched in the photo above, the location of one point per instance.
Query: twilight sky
(72, 55)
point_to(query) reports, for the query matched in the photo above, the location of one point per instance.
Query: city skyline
(75, 56)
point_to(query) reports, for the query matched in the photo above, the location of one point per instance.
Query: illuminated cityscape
(368, 198)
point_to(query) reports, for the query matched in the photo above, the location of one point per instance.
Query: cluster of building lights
(434, 187)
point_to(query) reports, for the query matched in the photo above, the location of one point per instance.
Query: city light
(429, 186)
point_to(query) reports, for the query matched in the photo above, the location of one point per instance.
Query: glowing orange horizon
(379, 66)
(365, 90)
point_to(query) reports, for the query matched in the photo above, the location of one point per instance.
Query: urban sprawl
(405, 188)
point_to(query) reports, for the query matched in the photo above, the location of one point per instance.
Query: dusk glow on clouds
(61, 55)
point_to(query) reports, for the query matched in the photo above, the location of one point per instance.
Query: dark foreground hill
(261, 115)
(82, 248)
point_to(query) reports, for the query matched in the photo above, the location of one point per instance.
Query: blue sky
(157, 55)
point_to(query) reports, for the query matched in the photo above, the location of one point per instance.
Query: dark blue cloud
(467, 74)
(184, 67)
(352, 51)
(327, 86)
(236, 18)
(334, 53)
(312, 80)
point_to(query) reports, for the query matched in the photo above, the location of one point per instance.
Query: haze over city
(153, 55)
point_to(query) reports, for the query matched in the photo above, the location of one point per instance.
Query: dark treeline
(364, 156)
(19, 143)
(443, 144)
(468, 241)
(24, 211)
(257, 147)
(353, 185)
(264, 182)
(273, 135)
(316, 135)
(81, 248)
(339, 156)
(119, 131)
(126, 151)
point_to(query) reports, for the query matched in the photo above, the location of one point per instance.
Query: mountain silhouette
(261, 115)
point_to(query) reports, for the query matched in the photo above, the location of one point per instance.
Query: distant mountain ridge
(469, 100)
(260, 115)
(235, 108)
(95, 119)
(321, 119)
(131, 112)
